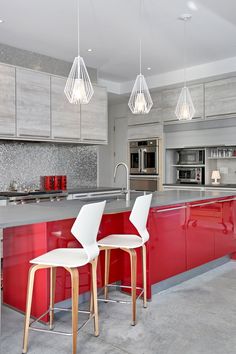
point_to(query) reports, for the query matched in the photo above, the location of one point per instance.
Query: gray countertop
(16, 215)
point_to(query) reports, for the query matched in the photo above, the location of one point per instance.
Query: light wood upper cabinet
(7, 101)
(65, 116)
(33, 104)
(220, 97)
(170, 99)
(94, 118)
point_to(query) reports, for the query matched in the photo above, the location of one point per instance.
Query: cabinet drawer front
(145, 131)
(33, 103)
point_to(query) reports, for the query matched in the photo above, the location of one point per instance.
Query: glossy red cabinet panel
(225, 234)
(202, 221)
(167, 247)
(20, 244)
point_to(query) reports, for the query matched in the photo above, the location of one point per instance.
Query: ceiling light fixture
(185, 109)
(1, 21)
(149, 68)
(90, 50)
(192, 5)
(78, 89)
(140, 101)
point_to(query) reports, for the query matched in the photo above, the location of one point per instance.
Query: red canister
(48, 183)
(57, 183)
(63, 183)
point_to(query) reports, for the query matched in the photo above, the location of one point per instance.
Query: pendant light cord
(185, 55)
(78, 27)
(140, 36)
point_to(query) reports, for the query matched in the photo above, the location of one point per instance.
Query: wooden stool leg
(133, 263)
(91, 293)
(95, 299)
(107, 270)
(52, 295)
(75, 306)
(144, 258)
(28, 306)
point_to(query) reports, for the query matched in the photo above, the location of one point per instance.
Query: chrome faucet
(127, 196)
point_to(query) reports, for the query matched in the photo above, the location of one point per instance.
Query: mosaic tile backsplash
(25, 162)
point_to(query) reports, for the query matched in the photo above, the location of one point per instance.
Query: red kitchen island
(198, 227)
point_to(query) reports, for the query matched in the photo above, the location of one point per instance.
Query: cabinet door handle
(35, 136)
(202, 204)
(7, 134)
(226, 200)
(64, 138)
(170, 209)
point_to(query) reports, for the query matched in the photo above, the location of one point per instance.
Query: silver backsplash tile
(25, 162)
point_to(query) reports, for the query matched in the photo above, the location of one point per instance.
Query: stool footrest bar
(113, 300)
(121, 286)
(37, 329)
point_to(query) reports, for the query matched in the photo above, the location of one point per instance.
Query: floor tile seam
(114, 346)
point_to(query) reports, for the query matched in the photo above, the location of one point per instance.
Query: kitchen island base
(183, 237)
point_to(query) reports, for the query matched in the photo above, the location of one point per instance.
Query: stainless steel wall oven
(143, 155)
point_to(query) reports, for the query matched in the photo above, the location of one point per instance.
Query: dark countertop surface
(16, 215)
(201, 185)
(92, 190)
(75, 191)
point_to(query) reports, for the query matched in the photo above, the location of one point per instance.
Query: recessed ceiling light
(90, 50)
(192, 5)
(149, 68)
(1, 21)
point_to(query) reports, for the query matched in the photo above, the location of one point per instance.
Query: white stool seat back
(85, 228)
(139, 215)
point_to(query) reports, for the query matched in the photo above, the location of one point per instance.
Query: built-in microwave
(192, 175)
(143, 157)
(191, 157)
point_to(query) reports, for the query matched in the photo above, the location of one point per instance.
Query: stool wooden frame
(93, 313)
(85, 229)
(128, 243)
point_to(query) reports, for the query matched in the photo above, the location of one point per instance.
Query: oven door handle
(139, 161)
(142, 159)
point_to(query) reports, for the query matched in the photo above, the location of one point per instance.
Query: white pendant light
(140, 101)
(78, 89)
(185, 109)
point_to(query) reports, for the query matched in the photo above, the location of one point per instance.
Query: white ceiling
(111, 28)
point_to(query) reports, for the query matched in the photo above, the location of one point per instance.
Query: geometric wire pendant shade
(185, 109)
(78, 89)
(140, 101)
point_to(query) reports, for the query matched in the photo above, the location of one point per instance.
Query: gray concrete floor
(197, 316)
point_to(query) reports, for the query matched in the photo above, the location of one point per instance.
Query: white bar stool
(129, 243)
(84, 229)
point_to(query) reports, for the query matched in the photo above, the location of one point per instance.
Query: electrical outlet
(224, 170)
